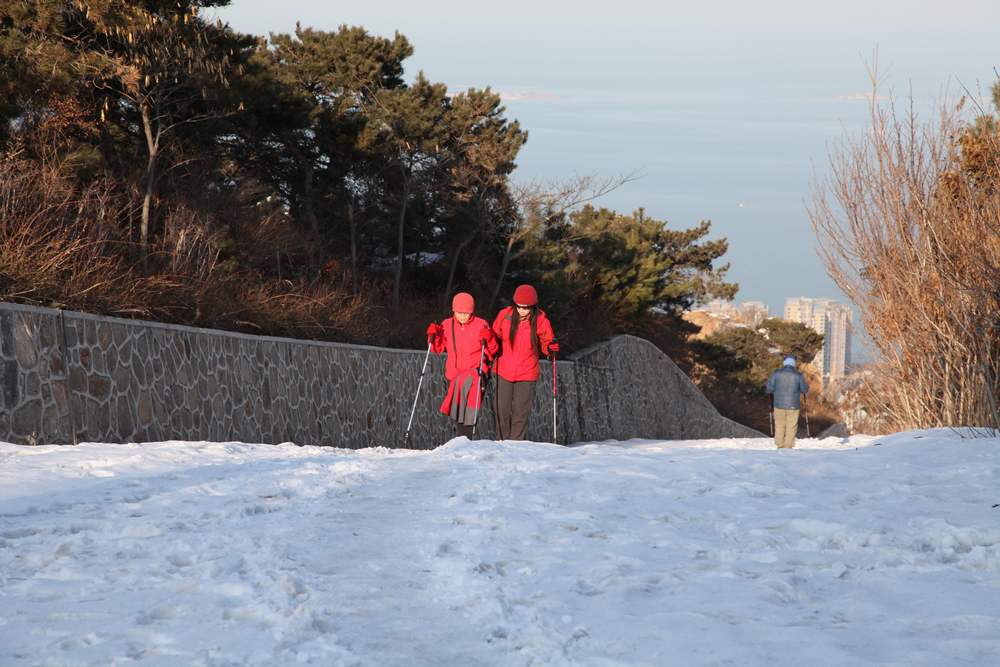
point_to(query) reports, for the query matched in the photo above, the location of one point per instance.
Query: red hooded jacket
(464, 346)
(462, 342)
(519, 362)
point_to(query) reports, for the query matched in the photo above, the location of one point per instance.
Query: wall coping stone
(184, 328)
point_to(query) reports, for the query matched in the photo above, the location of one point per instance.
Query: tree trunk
(147, 201)
(354, 248)
(152, 152)
(310, 211)
(454, 262)
(399, 240)
(503, 272)
(451, 271)
(308, 208)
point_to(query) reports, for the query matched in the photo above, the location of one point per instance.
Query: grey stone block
(145, 409)
(9, 379)
(121, 334)
(60, 397)
(54, 428)
(72, 334)
(105, 336)
(56, 365)
(139, 372)
(141, 348)
(27, 419)
(77, 379)
(32, 386)
(90, 332)
(100, 365)
(47, 332)
(7, 335)
(99, 387)
(120, 377)
(26, 343)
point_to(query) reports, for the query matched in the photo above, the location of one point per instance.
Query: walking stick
(499, 434)
(555, 431)
(479, 385)
(770, 416)
(406, 436)
(806, 415)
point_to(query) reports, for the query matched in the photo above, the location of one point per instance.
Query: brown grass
(67, 246)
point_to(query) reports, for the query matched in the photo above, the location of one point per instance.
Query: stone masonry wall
(71, 377)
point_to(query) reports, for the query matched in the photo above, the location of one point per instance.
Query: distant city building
(838, 343)
(754, 312)
(748, 312)
(719, 308)
(833, 320)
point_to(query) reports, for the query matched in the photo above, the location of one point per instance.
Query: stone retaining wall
(72, 377)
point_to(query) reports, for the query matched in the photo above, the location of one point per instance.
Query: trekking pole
(555, 432)
(806, 415)
(479, 385)
(770, 415)
(496, 403)
(406, 436)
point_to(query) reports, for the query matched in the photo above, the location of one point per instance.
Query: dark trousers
(513, 405)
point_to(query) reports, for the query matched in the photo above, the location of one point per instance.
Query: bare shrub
(65, 245)
(55, 239)
(910, 230)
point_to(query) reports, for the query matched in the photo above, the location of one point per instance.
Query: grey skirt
(460, 410)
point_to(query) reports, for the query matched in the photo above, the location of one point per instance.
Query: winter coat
(462, 343)
(786, 384)
(519, 362)
(464, 347)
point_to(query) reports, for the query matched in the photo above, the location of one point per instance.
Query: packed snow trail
(719, 552)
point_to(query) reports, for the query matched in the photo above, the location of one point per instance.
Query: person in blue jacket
(785, 386)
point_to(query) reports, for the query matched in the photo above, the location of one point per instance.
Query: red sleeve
(492, 345)
(545, 333)
(440, 344)
(498, 323)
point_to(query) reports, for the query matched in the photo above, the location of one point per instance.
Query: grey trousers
(513, 405)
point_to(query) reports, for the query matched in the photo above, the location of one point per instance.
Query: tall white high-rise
(833, 320)
(837, 345)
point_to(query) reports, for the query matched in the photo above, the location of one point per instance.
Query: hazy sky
(727, 109)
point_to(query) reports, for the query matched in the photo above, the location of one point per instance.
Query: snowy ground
(726, 552)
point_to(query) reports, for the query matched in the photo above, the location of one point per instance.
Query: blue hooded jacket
(786, 384)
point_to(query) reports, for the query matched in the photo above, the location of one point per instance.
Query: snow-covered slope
(724, 552)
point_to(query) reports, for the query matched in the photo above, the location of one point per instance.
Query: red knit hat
(525, 295)
(463, 303)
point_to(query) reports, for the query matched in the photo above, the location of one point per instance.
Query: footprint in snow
(19, 533)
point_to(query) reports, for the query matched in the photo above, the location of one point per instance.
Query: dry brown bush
(910, 229)
(67, 246)
(56, 240)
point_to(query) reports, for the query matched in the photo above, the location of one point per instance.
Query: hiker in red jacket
(463, 336)
(526, 335)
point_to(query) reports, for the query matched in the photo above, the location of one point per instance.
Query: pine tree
(148, 69)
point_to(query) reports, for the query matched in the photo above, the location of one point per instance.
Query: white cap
(789, 361)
